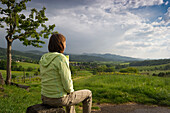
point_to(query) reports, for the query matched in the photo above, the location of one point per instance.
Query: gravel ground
(132, 108)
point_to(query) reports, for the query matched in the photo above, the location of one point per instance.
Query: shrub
(94, 72)
(29, 69)
(154, 74)
(13, 76)
(110, 69)
(161, 74)
(129, 70)
(27, 74)
(36, 73)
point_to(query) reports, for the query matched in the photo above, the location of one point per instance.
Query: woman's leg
(87, 103)
(70, 109)
(72, 99)
(76, 97)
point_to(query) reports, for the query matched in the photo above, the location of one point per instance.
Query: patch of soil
(131, 108)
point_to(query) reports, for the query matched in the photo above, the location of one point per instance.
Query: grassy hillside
(17, 73)
(17, 55)
(26, 65)
(152, 67)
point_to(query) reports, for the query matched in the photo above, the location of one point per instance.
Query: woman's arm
(66, 76)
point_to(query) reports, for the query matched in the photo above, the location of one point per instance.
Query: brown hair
(56, 43)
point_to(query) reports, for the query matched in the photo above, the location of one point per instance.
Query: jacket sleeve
(66, 76)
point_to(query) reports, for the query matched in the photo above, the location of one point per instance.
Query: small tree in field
(25, 29)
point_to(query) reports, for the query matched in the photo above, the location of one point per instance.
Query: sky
(134, 28)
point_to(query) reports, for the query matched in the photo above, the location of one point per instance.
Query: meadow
(17, 73)
(26, 65)
(118, 89)
(115, 89)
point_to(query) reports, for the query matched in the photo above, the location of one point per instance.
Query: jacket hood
(47, 58)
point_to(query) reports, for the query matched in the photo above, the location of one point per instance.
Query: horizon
(90, 54)
(137, 29)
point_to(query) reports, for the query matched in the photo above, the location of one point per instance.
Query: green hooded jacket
(55, 74)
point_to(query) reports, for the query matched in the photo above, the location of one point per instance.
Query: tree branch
(8, 38)
(20, 36)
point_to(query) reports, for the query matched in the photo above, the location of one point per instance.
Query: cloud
(147, 39)
(167, 17)
(121, 27)
(107, 27)
(166, 3)
(137, 3)
(94, 27)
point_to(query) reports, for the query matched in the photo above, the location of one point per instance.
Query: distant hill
(35, 52)
(35, 55)
(113, 57)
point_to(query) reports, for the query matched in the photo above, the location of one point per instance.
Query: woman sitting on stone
(57, 86)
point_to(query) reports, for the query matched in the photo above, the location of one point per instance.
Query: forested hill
(150, 62)
(35, 55)
(21, 56)
(113, 57)
(94, 57)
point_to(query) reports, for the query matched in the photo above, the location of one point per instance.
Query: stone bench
(41, 108)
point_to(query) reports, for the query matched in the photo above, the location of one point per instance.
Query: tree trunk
(9, 59)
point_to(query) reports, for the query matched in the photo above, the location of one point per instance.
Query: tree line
(150, 62)
(96, 67)
(162, 74)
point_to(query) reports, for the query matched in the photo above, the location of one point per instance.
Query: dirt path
(132, 108)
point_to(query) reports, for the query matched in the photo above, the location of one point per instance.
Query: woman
(57, 86)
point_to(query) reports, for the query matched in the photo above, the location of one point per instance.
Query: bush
(36, 73)
(73, 70)
(27, 74)
(29, 69)
(154, 74)
(123, 71)
(13, 76)
(20, 68)
(94, 72)
(162, 74)
(129, 70)
(110, 69)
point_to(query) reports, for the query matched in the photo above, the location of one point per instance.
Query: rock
(1, 80)
(41, 108)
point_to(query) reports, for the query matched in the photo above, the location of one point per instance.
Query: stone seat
(41, 108)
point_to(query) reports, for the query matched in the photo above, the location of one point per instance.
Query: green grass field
(21, 73)
(150, 67)
(26, 65)
(17, 73)
(127, 88)
(105, 88)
